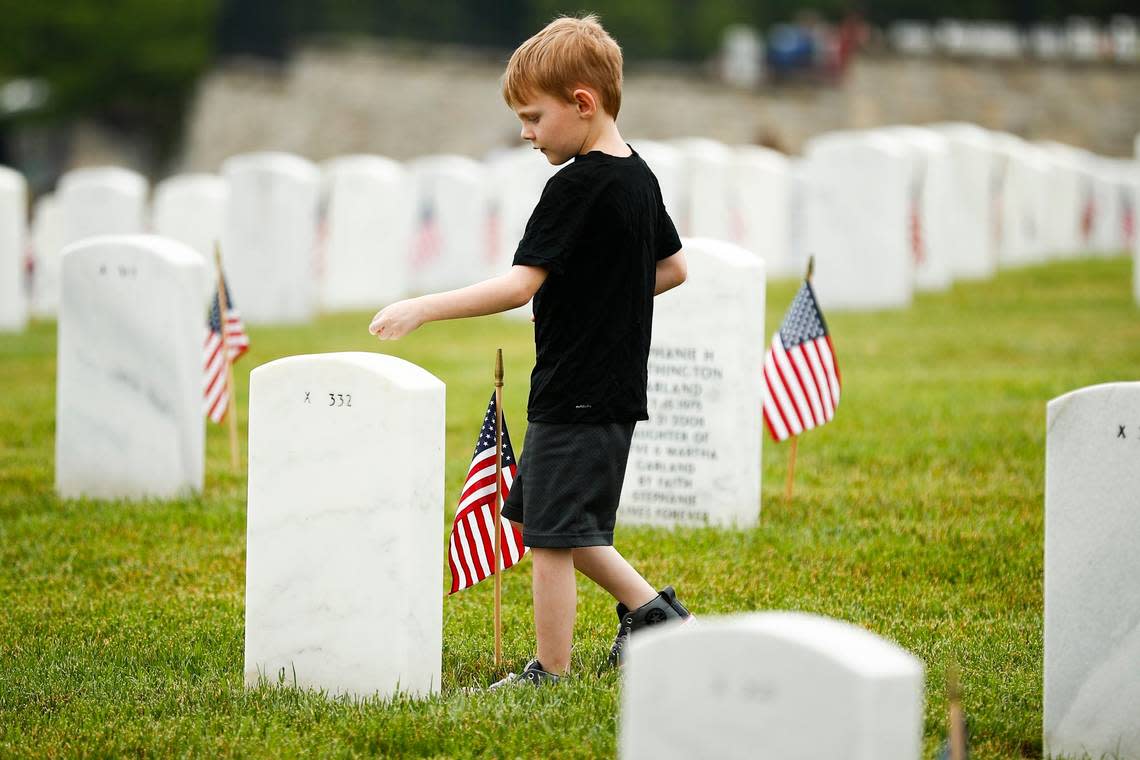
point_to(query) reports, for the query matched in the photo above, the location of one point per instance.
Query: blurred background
(168, 87)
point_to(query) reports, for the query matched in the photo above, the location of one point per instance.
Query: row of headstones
(326, 488)
(885, 211)
(1080, 39)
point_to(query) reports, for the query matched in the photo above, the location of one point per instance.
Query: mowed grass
(918, 513)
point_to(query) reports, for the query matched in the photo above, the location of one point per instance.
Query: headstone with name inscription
(763, 207)
(770, 685)
(13, 223)
(857, 216)
(696, 461)
(47, 245)
(369, 222)
(450, 245)
(101, 201)
(129, 422)
(345, 510)
(269, 236)
(191, 208)
(1092, 598)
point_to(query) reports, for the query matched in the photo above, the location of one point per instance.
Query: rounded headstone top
(271, 162)
(363, 163)
(858, 649)
(927, 140)
(1057, 407)
(703, 147)
(10, 179)
(759, 156)
(447, 163)
(174, 252)
(124, 180)
(861, 140)
(395, 370)
(724, 252)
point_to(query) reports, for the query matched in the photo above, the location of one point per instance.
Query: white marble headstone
(1066, 199)
(1024, 199)
(762, 187)
(451, 247)
(13, 221)
(696, 461)
(770, 685)
(47, 245)
(129, 421)
(101, 201)
(344, 559)
(974, 248)
(370, 217)
(269, 235)
(707, 167)
(666, 163)
(191, 208)
(857, 221)
(1092, 572)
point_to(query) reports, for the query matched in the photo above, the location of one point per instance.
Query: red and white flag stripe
(801, 386)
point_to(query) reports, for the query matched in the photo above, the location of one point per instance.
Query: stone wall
(333, 101)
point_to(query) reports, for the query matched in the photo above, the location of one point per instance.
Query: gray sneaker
(664, 608)
(533, 674)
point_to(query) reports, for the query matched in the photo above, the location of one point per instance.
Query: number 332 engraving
(340, 399)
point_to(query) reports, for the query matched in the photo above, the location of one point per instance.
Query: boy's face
(555, 127)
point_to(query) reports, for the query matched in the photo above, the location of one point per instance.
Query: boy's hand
(397, 320)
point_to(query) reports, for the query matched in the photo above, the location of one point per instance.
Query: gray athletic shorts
(568, 484)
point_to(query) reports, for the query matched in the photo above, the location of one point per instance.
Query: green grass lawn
(918, 514)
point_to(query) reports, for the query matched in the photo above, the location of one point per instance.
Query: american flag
(801, 374)
(217, 397)
(428, 244)
(471, 550)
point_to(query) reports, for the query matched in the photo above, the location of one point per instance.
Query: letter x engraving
(307, 397)
(1120, 432)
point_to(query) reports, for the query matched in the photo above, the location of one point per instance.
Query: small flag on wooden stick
(231, 340)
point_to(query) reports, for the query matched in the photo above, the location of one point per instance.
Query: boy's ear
(585, 102)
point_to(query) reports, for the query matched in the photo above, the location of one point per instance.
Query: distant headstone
(1066, 200)
(450, 245)
(770, 685)
(974, 248)
(1092, 597)
(707, 167)
(344, 563)
(13, 221)
(269, 236)
(763, 207)
(191, 208)
(666, 163)
(47, 245)
(101, 201)
(129, 420)
(857, 221)
(369, 222)
(1024, 201)
(696, 461)
(931, 196)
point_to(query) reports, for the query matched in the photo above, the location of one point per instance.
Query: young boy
(597, 248)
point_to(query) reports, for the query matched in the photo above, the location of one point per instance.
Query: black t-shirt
(599, 230)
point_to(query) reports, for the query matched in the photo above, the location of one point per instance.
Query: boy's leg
(607, 568)
(555, 598)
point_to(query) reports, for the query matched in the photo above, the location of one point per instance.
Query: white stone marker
(129, 421)
(770, 685)
(1024, 201)
(696, 461)
(1092, 573)
(370, 220)
(974, 249)
(47, 245)
(762, 187)
(269, 236)
(450, 247)
(930, 223)
(13, 223)
(707, 166)
(344, 563)
(1066, 200)
(666, 163)
(101, 201)
(858, 220)
(191, 208)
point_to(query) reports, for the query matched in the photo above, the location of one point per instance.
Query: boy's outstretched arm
(507, 291)
(671, 272)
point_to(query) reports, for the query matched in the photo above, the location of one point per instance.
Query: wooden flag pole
(796, 439)
(231, 408)
(957, 717)
(498, 507)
